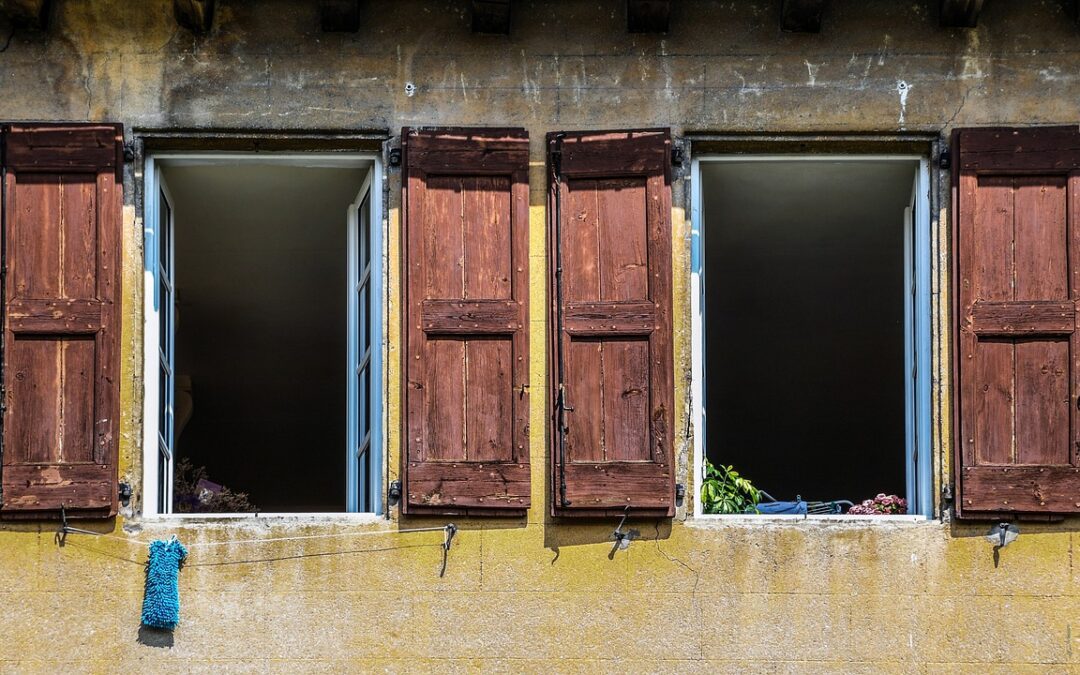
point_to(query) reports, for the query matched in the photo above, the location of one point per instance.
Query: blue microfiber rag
(161, 605)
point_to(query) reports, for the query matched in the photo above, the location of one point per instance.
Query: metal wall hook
(65, 529)
(448, 536)
(622, 539)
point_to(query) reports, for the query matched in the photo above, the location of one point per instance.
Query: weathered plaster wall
(824, 597)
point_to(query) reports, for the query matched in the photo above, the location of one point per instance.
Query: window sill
(261, 518)
(750, 520)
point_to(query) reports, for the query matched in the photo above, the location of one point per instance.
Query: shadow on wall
(155, 637)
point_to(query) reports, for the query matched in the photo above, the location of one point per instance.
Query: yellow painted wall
(528, 594)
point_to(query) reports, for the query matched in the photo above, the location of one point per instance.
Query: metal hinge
(947, 492)
(393, 494)
(124, 493)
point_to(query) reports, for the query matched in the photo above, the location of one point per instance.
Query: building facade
(541, 243)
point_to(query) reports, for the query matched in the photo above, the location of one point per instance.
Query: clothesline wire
(64, 529)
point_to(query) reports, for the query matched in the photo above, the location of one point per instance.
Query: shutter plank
(626, 400)
(1018, 359)
(61, 334)
(623, 239)
(1023, 318)
(585, 380)
(613, 192)
(465, 228)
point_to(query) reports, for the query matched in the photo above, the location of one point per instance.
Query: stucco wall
(689, 595)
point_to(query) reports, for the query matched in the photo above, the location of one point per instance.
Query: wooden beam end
(491, 17)
(801, 16)
(648, 16)
(339, 16)
(195, 15)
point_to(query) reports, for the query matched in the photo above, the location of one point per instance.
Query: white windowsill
(174, 519)
(750, 519)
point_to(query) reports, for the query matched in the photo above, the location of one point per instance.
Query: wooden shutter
(466, 352)
(1017, 201)
(62, 221)
(612, 384)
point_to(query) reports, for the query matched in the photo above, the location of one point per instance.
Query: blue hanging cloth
(161, 605)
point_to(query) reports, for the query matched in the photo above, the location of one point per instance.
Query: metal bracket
(393, 493)
(394, 157)
(945, 159)
(64, 530)
(448, 537)
(622, 539)
(124, 493)
(680, 494)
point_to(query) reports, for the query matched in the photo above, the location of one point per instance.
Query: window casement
(263, 331)
(811, 314)
(612, 370)
(62, 222)
(465, 352)
(1016, 205)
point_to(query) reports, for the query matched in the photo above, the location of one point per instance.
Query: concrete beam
(801, 16)
(960, 13)
(491, 16)
(648, 16)
(195, 15)
(33, 13)
(340, 16)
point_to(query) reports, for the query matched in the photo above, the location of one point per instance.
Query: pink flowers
(883, 504)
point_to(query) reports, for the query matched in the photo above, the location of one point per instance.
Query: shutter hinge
(129, 152)
(947, 492)
(393, 494)
(124, 493)
(945, 159)
(394, 157)
(676, 155)
(680, 494)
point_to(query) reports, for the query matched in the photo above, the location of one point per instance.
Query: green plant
(725, 491)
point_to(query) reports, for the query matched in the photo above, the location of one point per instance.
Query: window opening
(812, 323)
(266, 331)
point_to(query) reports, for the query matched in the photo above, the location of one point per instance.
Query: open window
(262, 334)
(811, 328)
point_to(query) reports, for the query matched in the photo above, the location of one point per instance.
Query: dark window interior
(261, 330)
(804, 324)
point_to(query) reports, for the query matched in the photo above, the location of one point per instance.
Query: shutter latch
(623, 539)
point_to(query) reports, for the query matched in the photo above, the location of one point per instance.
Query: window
(263, 333)
(811, 326)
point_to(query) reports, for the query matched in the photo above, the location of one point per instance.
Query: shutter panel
(466, 352)
(62, 216)
(1017, 201)
(611, 323)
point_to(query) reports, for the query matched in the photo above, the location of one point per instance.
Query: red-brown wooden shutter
(466, 351)
(62, 217)
(611, 347)
(1017, 198)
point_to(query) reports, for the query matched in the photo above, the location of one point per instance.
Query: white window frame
(372, 285)
(917, 336)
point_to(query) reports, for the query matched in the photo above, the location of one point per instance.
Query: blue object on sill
(161, 604)
(782, 508)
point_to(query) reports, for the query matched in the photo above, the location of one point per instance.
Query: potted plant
(882, 505)
(725, 491)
